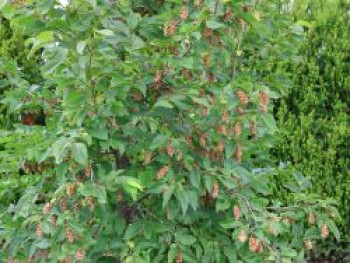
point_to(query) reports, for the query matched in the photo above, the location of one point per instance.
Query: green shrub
(314, 117)
(158, 114)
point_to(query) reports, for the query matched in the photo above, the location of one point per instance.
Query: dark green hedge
(12, 46)
(314, 118)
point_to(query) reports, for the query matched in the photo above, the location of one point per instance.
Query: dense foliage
(145, 134)
(313, 119)
(13, 48)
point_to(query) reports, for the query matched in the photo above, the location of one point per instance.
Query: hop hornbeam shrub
(157, 114)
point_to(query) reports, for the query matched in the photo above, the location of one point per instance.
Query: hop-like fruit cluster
(221, 146)
(39, 231)
(243, 98)
(221, 129)
(215, 190)
(205, 111)
(308, 244)
(64, 205)
(228, 15)
(91, 202)
(53, 220)
(162, 172)
(70, 189)
(237, 212)
(80, 255)
(47, 208)
(242, 236)
(224, 116)
(87, 171)
(238, 153)
(159, 76)
(170, 29)
(311, 219)
(187, 73)
(203, 140)
(253, 129)
(198, 3)
(183, 13)
(206, 60)
(178, 258)
(148, 158)
(238, 128)
(324, 231)
(255, 245)
(263, 101)
(70, 236)
(170, 150)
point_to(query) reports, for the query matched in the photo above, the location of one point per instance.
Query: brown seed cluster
(237, 212)
(183, 13)
(255, 245)
(162, 172)
(148, 158)
(70, 236)
(324, 231)
(47, 208)
(228, 15)
(308, 244)
(91, 202)
(224, 116)
(243, 98)
(263, 101)
(238, 153)
(215, 190)
(311, 219)
(39, 231)
(178, 258)
(64, 205)
(253, 129)
(170, 29)
(238, 128)
(70, 190)
(198, 3)
(170, 150)
(221, 146)
(242, 236)
(80, 255)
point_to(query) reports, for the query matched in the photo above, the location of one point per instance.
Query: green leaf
(167, 194)
(288, 252)
(3, 3)
(158, 142)
(132, 230)
(334, 229)
(79, 153)
(270, 122)
(99, 133)
(80, 47)
(184, 200)
(185, 239)
(231, 255)
(164, 104)
(106, 32)
(215, 25)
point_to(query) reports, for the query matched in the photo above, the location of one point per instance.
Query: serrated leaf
(79, 153)
(80, 47)
(185, 239)
(214, 24)
(164, 104)
(132, 230)
(270, 122)
(159, 141)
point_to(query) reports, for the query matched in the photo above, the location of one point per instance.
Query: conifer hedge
(313, 118)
